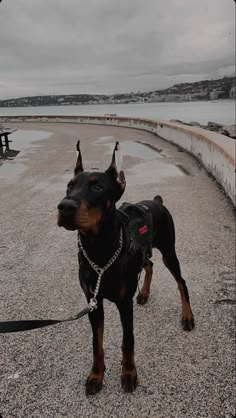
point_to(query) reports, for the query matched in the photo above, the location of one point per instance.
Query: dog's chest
(117, 283)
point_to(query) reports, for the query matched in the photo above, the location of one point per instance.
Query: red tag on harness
(143, 229)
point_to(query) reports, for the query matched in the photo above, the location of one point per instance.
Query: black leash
(26, 325)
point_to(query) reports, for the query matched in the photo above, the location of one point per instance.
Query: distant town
(223, 88)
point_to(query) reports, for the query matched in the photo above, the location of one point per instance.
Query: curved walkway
(180, 374)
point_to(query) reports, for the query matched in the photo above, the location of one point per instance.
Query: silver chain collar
(99, 270)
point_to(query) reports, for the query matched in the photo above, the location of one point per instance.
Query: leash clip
(93, 304)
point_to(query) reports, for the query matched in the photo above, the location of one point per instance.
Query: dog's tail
(159, 199)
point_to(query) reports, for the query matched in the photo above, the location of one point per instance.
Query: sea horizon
(219, 111)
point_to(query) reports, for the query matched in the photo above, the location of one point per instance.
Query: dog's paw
(129, 381)
(93, 383)
(188, 324)
(142, 298)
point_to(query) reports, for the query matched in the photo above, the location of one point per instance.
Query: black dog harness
(138, 225)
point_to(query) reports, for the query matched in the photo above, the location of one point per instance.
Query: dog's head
(90, 196)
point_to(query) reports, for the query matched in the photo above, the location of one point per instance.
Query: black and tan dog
(104, 237)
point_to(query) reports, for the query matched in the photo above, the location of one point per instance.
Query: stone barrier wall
(214, 151)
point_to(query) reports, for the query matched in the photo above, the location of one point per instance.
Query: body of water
(222, 111)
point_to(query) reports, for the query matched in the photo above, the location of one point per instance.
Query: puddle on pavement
(130, 148)
(152, 168)
(104, 139)
(52, 185)
(146, 173)
(22, 141)
(155, 167)
(11, 169)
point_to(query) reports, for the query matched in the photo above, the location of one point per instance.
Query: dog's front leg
(95, 377)
(128, 372)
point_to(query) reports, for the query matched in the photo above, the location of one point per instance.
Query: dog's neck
(105, 242)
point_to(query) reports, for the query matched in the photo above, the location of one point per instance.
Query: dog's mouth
(70, 225)
(65, 223)
(85, 221)
(81, 221)
(83, 218)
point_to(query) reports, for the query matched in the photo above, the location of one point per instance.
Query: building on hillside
(214, 94)
(232, 93)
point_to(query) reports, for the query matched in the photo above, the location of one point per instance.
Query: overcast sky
(112, 46)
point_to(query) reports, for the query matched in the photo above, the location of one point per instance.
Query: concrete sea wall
(214, 151)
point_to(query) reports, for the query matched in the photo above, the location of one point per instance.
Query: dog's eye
(96, 188)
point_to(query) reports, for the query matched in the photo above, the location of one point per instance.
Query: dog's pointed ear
(119, 177)
(79, 165)
(112, 169)
(121, 183)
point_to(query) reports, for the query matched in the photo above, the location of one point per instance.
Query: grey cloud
(100, 46)
(207, 67)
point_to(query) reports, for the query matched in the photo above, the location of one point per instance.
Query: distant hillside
(223, 88)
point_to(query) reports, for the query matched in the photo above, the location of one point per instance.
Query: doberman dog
(90, 208)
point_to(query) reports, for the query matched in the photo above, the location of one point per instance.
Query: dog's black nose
(67, 207)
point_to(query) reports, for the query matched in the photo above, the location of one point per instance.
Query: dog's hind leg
(95, 378)
(172, 263)
(143, 295)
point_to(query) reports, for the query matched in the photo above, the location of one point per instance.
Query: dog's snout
(67, 207)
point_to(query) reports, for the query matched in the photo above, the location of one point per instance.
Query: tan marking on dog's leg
(145, 291)
(95, 377)
(128, 372)
(187, 315)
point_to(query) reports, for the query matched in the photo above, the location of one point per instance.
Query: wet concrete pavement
(43, 371)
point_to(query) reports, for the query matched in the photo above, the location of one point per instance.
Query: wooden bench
(4, 140)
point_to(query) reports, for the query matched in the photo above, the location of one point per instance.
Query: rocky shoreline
(229, 131)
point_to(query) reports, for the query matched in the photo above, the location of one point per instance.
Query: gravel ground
(180, 374)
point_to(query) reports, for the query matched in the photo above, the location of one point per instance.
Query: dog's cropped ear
(121, 183)
(112, 169)
(119, 177)
(79, 166)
